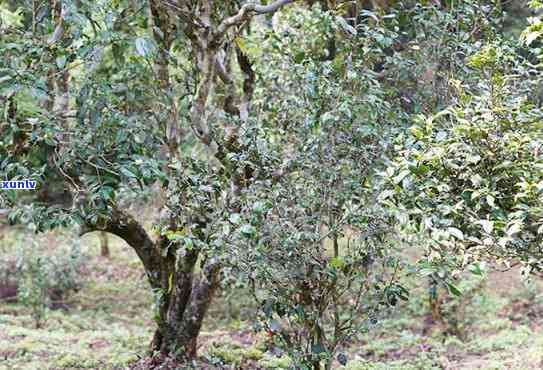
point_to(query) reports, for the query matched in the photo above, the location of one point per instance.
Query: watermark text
(18, 185)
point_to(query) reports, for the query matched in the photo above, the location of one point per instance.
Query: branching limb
(202, 294)
(197, 112)
(184, 14)
(246, 12)
(248, 84)
(60, 28)
(127, 228)
(230, 91)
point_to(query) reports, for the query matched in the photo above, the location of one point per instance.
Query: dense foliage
(277, 141)
(470, 175)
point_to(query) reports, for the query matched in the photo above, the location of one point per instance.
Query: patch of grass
(502, 340)
(107, 326)
(272, 362)
(392, 365)
(228, 351)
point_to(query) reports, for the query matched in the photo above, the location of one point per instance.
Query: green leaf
(107, 192)
(61, 61)
(476, 269)
(401, 176)
(454, 290)
(299, 57)
(416, 132)
(347, 28)
(248, 230)
(530, 37)
(491, 201)
(235, 218)
(275, 326)
(456, 233)
(176, 235)
(240, 42)
(337, 262)
(427, 271)
(386, 194)
(11, 19)
(488, 226)
(318, 348)
(125, 171)
(514, 228)
(143, 46)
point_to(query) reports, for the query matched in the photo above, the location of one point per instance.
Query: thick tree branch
(201, 297)
(161, 24)
(246, 12)
(128, 229)
(197, 112)
(182, 283)
(230, 87)
(248, 84)
(59, 29)
(183, 13)
(207, 44)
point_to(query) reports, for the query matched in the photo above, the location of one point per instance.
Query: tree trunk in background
(3, 214)
(433, 298)
(104, 244)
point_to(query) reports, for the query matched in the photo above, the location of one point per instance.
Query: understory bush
(42, 278)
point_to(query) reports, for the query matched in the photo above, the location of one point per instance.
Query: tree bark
(185, 319)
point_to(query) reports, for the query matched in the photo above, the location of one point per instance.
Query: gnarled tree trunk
(183, 298)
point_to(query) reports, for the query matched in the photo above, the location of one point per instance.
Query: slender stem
(33, 17)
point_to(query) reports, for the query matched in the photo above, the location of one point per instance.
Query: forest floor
(109, 325)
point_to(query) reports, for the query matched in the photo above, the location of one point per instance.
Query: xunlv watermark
(18, 185)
